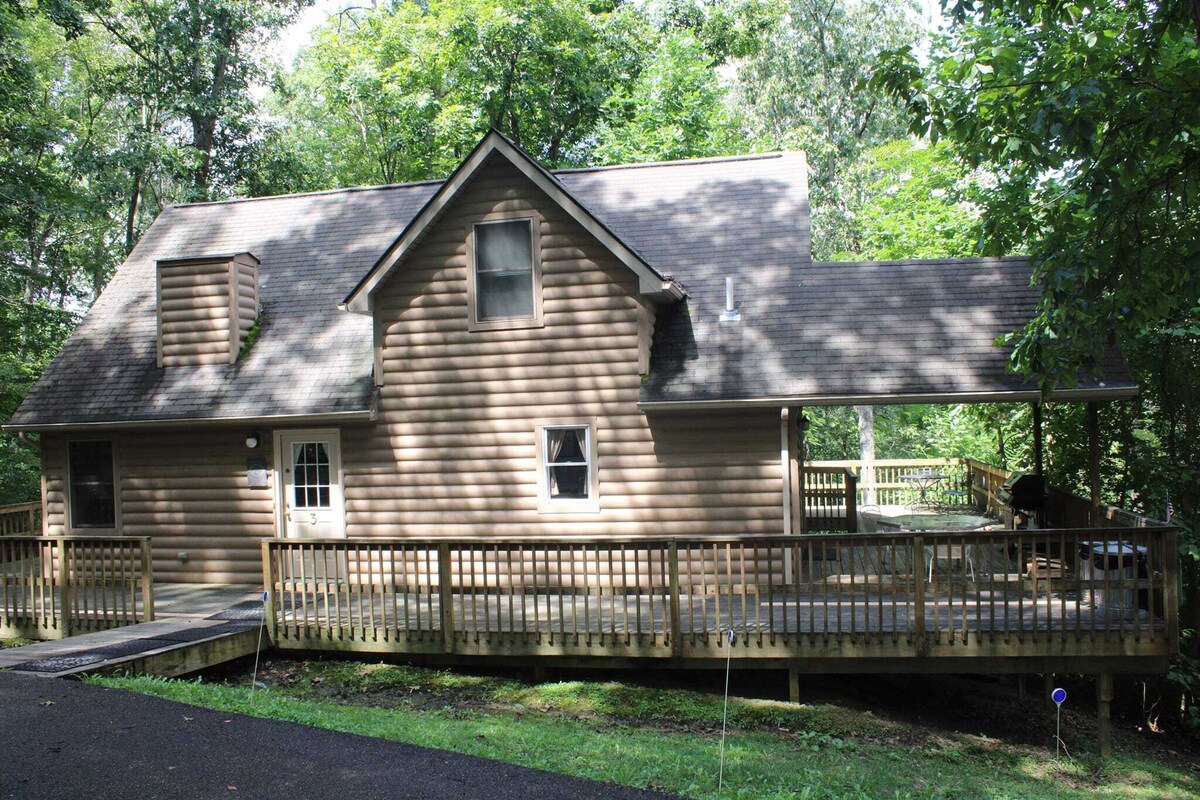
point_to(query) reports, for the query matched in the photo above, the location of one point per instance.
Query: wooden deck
(1005, 600)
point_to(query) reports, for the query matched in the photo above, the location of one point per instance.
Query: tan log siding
(454, 451)
(193, 308)
(187, 491)
(54, 483)
(205, 310)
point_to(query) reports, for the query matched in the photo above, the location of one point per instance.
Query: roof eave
(994, 396)
(364, 415)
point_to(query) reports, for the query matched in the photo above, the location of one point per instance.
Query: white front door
(310, 465)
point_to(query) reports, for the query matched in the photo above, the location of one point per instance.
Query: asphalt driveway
(65, 739)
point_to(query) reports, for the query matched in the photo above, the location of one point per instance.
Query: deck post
(147, 582)
(1022, 687)
(799, 503)
(1093, 431)
(793, 683)
(446, 596)
(1104, 696)
(269, 587)
(1170, 606)
(1047, 688)
(64, 588)
(851, 502)
(1038, 439)
(1038, 460)
(676, 624)
(917, 561)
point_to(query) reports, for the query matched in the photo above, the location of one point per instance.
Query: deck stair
(196, 627)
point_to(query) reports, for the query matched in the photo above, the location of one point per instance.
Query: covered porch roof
(868, 333)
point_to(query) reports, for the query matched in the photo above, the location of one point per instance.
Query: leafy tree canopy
(1090, 113)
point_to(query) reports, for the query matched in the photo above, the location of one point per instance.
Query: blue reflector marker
(1059, 696)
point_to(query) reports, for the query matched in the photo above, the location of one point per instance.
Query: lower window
(93, 503)
(567, 479)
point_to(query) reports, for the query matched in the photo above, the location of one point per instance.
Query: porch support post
(1104, 696)
(1093, 429)
(793, 683)
(1038, 466)
(787, 481)
(795, 438)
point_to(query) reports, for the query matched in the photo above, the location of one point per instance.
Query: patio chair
(868, 518)
(951, 553)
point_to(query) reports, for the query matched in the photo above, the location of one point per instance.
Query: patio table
(923, 479)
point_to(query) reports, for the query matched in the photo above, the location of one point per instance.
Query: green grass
(668, 739)
(15, 641)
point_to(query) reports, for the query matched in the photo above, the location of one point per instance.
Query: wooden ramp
(198, 628)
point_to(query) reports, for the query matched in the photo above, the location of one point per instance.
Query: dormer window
(505, 273)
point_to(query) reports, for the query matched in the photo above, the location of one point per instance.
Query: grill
(1024, 491)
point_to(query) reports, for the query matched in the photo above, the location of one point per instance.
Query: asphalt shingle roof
(836, 331)
(806, 329)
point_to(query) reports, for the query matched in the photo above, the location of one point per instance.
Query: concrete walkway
(66, 739)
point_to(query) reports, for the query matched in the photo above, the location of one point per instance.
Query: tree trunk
(866, 445)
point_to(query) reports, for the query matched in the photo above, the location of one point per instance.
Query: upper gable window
(506, 278)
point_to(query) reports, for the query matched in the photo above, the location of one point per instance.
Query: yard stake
(258, 650)
(725, 714)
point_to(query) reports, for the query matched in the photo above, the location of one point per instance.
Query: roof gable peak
(651, 282)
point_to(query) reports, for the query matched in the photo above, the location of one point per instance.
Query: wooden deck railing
(22, 518)
(1062, 596)
(1063, 508)
(830, 499)
(881, 482)
(52, 587)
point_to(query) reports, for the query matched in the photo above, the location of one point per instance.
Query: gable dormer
(206, 308)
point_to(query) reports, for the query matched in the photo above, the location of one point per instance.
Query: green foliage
(400, 93)
(926, 431)
(1089, 114)
(905, 199)
(807, 89)
(252, 335)
(673, 110)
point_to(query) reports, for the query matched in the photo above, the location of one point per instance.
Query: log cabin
(530, 413)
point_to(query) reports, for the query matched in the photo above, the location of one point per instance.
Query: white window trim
(69, 501)
(535, 225)
(549, 505)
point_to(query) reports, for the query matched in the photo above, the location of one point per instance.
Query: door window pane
(310, 475)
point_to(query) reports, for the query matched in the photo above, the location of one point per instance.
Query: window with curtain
(567, 460)
(90, 467)
(504, 270)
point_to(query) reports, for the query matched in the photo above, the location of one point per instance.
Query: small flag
(1170, 508)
